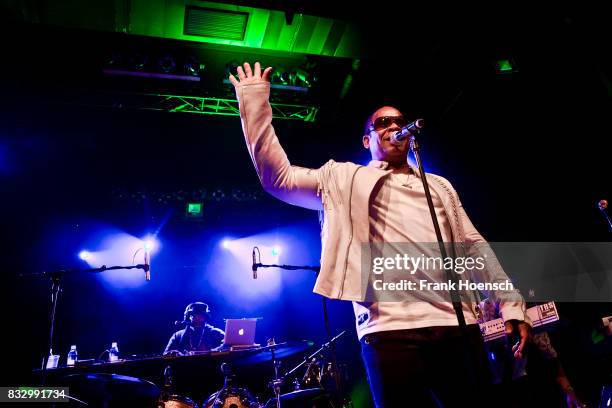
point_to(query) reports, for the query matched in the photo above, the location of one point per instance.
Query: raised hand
(247, 76)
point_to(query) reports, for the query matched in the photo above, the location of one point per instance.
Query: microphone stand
(332, 347)
(455, 298)
(56, 278)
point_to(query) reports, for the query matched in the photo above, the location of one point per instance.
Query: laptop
(239, 333)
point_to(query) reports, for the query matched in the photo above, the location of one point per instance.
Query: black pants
(427, 367)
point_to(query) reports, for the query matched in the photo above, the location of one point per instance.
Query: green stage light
(505, 66)
(194, 210)
(597, 337)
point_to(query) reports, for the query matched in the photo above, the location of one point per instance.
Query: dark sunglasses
(383, 122)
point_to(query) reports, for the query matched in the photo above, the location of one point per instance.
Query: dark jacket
(192, 339)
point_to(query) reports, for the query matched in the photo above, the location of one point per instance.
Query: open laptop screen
(240, 332)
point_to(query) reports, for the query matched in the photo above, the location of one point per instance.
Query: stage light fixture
(150, 243)
(231, 68)
(505, 66)
(167, 64)
(193, 67)
(139, 62)
(281, 76)
(84, 255)
(303, 77)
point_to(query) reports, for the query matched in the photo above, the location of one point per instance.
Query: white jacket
(342, 191)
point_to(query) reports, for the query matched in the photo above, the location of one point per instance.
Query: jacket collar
(383, 165)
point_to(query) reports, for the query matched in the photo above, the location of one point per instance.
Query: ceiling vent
(207, 22)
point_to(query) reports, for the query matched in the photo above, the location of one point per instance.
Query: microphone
(182, 322)
(603, 207)
(602, 204)
(147, 266)
(409, 129)
(254, 266)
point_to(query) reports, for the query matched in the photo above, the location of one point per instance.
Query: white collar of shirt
(383, 165)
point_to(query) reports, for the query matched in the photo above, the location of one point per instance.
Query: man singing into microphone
(198, 335)
(413, 351)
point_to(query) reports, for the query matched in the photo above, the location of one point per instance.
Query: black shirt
(192, 338)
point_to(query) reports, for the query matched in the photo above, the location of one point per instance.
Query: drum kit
(317, 387)
(313, 383)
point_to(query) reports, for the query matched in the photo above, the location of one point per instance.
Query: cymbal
(306, 394)
(110, 387)
(279, 350)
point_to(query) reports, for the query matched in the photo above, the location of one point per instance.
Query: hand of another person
(247, 76)
(524, 331)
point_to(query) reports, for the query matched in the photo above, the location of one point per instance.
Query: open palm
(248, 76)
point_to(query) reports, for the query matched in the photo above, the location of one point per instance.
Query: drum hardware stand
(311, 370)
(229, 390)
(312, 357)
(168, 384)
(330, 346)
(56, 278)
(228, 379)
(277, 381)
(316, 269)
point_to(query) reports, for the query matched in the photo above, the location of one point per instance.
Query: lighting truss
(226, 107)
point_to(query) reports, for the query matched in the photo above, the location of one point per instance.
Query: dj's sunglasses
(383, 122)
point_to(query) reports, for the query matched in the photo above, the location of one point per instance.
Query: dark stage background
(527, 151)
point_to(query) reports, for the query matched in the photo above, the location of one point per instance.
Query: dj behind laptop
(239, 334)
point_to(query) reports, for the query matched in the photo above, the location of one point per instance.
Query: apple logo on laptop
(241, 332)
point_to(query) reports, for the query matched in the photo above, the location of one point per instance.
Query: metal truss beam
(220, 106)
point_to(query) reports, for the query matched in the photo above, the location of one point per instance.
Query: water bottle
(113, 353)
(72, 356)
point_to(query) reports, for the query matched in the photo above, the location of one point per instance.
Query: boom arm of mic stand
(290, 267)
(55, 291)
(61, 272)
